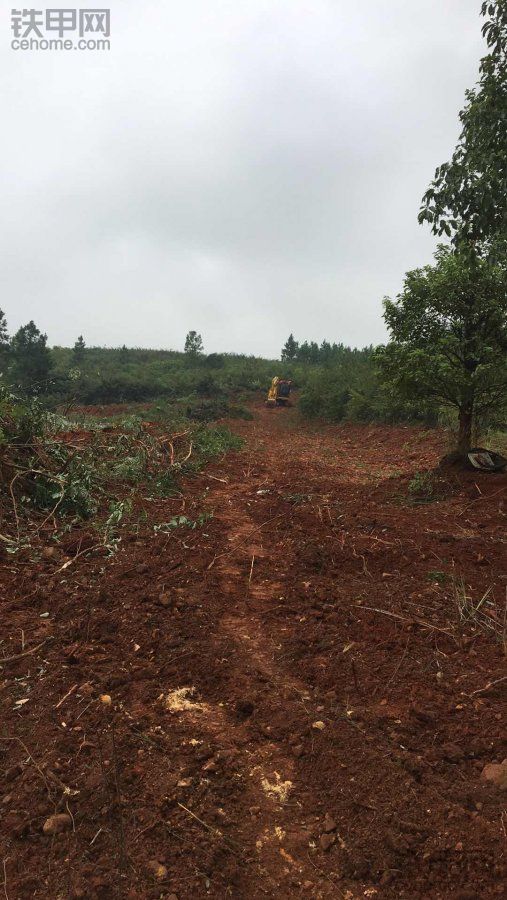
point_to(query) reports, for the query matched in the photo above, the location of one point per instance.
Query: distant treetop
(193, 343)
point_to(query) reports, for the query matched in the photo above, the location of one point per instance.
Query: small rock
(326, 841)
(452, 752)
(329, 824)
(319, 726)
(184, 782)
(57, 823)
(105, 699)
(157, 870)
(496, 773)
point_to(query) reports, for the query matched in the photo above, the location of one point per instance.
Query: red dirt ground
(296, 710)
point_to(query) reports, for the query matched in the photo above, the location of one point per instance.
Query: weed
(422, 488)
(62, 476)
(165, 485)
(117, 510)
(438, 577)
(131, 469)
(482, 614)
(239, 412)
(297, 498)
(182, 522)
(209, 442)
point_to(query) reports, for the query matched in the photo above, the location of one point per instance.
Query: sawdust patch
(278, 789)
(180, 701)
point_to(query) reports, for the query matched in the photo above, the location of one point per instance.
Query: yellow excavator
(279, 392)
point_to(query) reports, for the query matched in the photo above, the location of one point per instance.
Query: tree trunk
(465, 430)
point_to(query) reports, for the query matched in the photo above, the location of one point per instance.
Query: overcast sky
(246, 168)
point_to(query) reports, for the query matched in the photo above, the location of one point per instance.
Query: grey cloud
(246, 169)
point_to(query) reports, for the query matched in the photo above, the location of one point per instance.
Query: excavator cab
(279, 392)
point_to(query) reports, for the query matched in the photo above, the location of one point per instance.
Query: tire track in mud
(271, 770)
(266, 771)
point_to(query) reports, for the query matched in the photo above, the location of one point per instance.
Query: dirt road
(296, 708)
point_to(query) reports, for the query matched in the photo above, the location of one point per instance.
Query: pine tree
(32, 358)
(289, 349)
(4, 337)
(193, 344)
(79, 349)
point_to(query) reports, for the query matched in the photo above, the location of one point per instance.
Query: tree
(325, 352)
(467, 199)
(31, 356)
(79, 349)
(193, 344)
(308, 353)
(289, 349)
(4, 337)
(448, 332)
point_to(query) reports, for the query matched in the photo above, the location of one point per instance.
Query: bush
(214, 361)
(354, 392)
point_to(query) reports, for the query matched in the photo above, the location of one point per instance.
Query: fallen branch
(400, 663)
(251, 572)
(8, 659)
(482, 497)
(81, 552)
(385, 612)
(211, 828)
(69, 692)
(5, 861)
(189, 454)
(489, 685)
(36, 765)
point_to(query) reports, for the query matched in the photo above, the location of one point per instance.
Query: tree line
(27, 362)
(311, 353)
